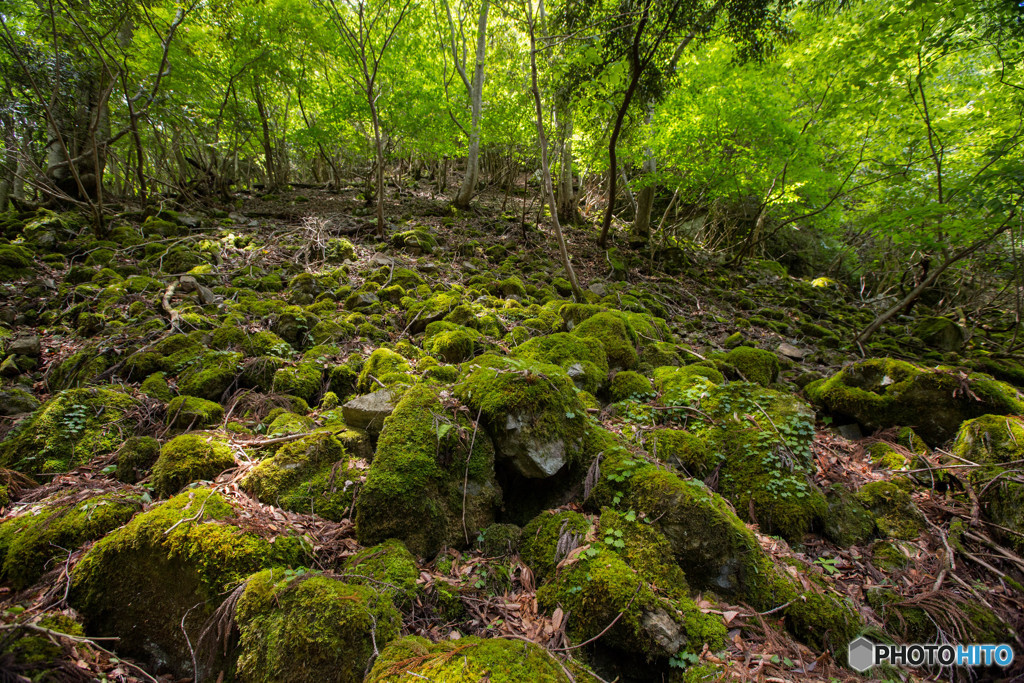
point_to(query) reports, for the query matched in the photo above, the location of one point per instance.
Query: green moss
(340, 249)
(449, 342)
(611, 331)
(681, 448)
(211, 375)
(756, 365)
(381, 363)
(676, 383)
(418, 240)
(658, 354)
(414, 489)
(846, 521)
(499, 540)
(531, 410)
(467, 660)
(389, 568)
(540, 540)
(189, 412)
(68, 430)
(303, 380)
(78, 369)
(630, 385)
(583, 358)
(894, 511)
(135, 457)
(15, 262)
(188, 458)
(644, 549)
(283, 423)
(887, 556)
(40, 536)
(167, 567)
(298, 629)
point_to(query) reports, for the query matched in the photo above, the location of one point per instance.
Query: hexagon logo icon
(861, 654)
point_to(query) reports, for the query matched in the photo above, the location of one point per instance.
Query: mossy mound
(682, 449)
(389, 568)
(847, 522)
(424, 481)
(894, 511)
(308, 475)
(531, 411)
(630, 385)
(190, 412)
(583, 358)
(40, 536)
(546, 537)
(755, 365)
(135, 458)
(211, 375)
(171, 566)
(15, 262)
(188, 458)
(303, 380)
(995, 441)
(68, 430)
(682, 385)
(619, 341)
(882, 392)
(37, 656)
(309, 628)
(383, 367)
(468, 659)
(449, 342)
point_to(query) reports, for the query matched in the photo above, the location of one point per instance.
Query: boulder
(26, 346)
(940, 333)
(369, 410)
(496, 660)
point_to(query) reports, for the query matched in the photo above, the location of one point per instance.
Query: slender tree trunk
(379, 146)
(268, 145)
(645, 200)
(545, 169)
(469, 182)
(567, 210)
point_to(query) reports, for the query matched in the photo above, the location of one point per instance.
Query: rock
(789, 351)
(369, 410)
(361, 301)
(531, 411)
(850, 431)
(190, 457)
(940, 333)
(598, 288)
(16, 401)
(9, 368)
(882, 392)
(470, 659)
(583, 358)
(26, 346)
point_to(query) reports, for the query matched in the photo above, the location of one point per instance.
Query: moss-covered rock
(499, 540)
(583, 358)
(882, 392)
(303, 380)
(15, 262)
(389, 568)
(450, 342)
(189, 412)
(211, 375)
(188, 458)
(531, 411)
(612, 332)
(135, 458)
(156, 386)
(68, 430)
(755, 365)
(40, 536)
(847, 522)
(310, 627)
(383, 366)
(424, 481)
(170, 567)
(940, 333)
(628, 385)
(310, 475)
(681, 448)
(468, 659)
(894, 511)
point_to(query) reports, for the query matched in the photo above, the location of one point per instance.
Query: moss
(381, 363)
(531, 411)
(756, 365)
(644, 549)
(414, 489)
(887, 556)
(882, 392)
(303, 380)
(311, 627)
(499, 540)
(508, 288)
(167, 568)
(630, 385)
(733, 340)
(675, 383)
(449, 342)
(15, 262)
(433, 307)
(40, 536)
(135, 457)
(189, 412)
(682, 448)
(267, 343)
(211, 375)
(846, 521)
(78, 369)
(583, 358)
(467, 660)
(894, 511)
(389, 568)
(37, 656)
(658, 354)
(188, 458)
(308, 475)
(612, 332)
(540, 540)
(284, 422)
(69, 429)
(418, 240)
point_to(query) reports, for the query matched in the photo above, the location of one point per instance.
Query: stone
(850, 431)
(940, 333)
(369, 410)
(598, 288)
(789, 351)
(26, 346)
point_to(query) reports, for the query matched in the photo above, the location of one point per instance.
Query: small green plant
(828, 564)
(682, 660)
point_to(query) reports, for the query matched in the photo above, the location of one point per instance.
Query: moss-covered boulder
(583, 358)
(425, 486)
(188, 458)
(135, 457)
(450, 342)
(847, 522)
(940, 333)
(630, 385)
(994, 442)
(170, 567)
(15, 262)
(309, 628)
(468, 659)
(883, 392)
(70, 429)
(681, 448)
(38, 537)
(303, 380)
(382, 369)
(754, 365)
(190, 412)
(310, 475)
(389, 568)
(531, 411)
(895, 513)
(619, 340)
(211, 375)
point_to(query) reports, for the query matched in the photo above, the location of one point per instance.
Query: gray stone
(850, 431)
(26, 346)
(789, 351)
(369, 410)
(361, 301)
(598, 288)
(577, 374)
(663, 630)
(15, 401)
(533, 456)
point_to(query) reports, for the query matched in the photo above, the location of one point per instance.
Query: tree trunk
(567, 210)
(472, 177)
(268, 145)
(379, 147)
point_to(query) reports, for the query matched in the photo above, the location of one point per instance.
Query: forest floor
(938, 557)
